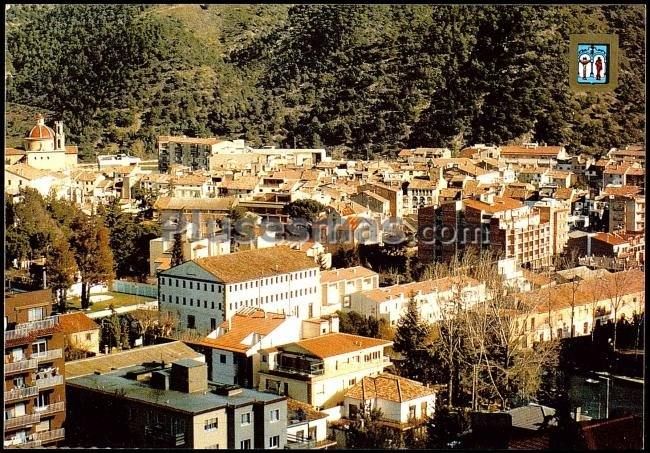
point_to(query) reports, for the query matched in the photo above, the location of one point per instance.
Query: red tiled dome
(40, 131)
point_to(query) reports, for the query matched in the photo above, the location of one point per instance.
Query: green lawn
(118, 300)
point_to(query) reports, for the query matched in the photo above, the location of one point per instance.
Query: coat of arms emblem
(593, 62)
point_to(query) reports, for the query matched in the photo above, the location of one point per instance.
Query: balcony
(48, 382)
(47, 356)
(19, 443)
(17, 394)
(25, 330)
(159, 437)
(48, 436)
(303, 371)
(50, 409)
(19, 365)
(22, 420)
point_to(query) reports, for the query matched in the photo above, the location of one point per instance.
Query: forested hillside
(368, 78)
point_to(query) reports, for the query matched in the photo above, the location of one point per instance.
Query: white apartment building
(206, 291)
(338, 285)
(390, 303)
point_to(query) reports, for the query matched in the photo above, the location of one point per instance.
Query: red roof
(40, 131)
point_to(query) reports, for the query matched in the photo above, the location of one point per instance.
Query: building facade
(34, 370)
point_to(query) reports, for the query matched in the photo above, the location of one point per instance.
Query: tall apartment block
(34, 370)
(503, 225)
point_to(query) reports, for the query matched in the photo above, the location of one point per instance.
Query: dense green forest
(367, 79)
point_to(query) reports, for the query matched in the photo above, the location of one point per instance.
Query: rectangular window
(222, 358)
(213, 324)
(176, 283)
(213, 289)
(192, 302)
(352, 381)
(163, 297)
(39, 346)
(585, 328)
(191, 285)
(191, 322)
(211, 424)
(423, 409)
(275, 415)
(36, 314)
(205, 287)
(162, 281)
(183, 283)
(205, 304)
(274, 442)
(245, 444)
(176, 299)
(89, 336)
(412, 412)
(246, 419)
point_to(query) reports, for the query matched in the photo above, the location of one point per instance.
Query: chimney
(188, 376)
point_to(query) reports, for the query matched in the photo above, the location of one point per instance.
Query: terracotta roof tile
(524, 150)
(388, 387)
(76, 322)
(333, 344)
(241, 327)
(336, 275)
(500, 204)
(176, 139)
(257, 263)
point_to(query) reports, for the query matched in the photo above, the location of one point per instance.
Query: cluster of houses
(258, 359)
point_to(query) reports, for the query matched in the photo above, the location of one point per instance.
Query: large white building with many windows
(207, 291)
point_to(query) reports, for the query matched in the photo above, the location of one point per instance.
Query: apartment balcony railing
(294, 441)
(51, 408)
(22, 420)
(314, 372)
(25, 329)
(25, 392)
(48, 436)
(18, 443)
(45, 356)
(49, 382)
(20, 365)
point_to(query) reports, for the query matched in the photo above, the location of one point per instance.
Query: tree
(123, 232)
(446, 426)
(355, 323)
(138, 149)
(61, 271)
(305, 209)
(90, 244)
(178, 256)
(413, 341)
(367, 431)
(613, 287)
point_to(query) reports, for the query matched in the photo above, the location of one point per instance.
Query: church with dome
(44, 148)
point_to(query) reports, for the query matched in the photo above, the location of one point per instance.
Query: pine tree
(413, 341)
(177, 251)
(61, 270)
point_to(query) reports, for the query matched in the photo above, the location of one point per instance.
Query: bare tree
(615, 287)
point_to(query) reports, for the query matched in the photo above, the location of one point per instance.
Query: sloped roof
(336, 275)
(207, 204)
(257, 263)
(76, 322)
(500, 204)
(27, 172)
(333, 344)
(388, 387)
(241, 326)
(525, 150)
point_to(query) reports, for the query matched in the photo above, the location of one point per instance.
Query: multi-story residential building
(390, 193)
(34, 369)
(319, 370)
(391, 302)
(207, 291)
(116, 160)
(375, 203)
(420, 193)
(169, 407)
(299, 157)
(510, 229)
(338, 285)
(626, 213)
(194, 152)
(556, 213)
(232, 350)
(533, 154)
(405, 404)
(593, 301)
(625, 174)
(635, 214)
(624, 249)
(424, 154)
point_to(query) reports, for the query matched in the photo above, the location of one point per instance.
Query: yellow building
(318, 371)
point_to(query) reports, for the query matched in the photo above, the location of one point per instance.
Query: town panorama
(267, 226)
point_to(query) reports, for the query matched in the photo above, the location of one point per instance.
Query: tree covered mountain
(367, 78)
